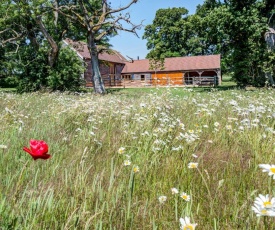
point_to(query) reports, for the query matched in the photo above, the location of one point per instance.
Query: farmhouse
(178, 71)
(110, 64)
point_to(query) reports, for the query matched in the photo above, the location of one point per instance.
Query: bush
(8, 82)
(67, 73)
(32, 70)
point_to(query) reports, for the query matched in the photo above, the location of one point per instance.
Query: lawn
(137, 159)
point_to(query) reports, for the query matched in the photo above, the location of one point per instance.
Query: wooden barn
(110, 64)
(193, 70)
(178, 71)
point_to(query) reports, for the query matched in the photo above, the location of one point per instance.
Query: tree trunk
(270, 41)
(96, 76)
(53, 54)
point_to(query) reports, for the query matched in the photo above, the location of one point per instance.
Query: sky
(129, 44)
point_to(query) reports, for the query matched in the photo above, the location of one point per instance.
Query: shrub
(32, 70)
(67, 73)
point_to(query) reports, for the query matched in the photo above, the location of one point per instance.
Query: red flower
(39, 149)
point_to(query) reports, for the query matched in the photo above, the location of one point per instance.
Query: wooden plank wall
(175, 78)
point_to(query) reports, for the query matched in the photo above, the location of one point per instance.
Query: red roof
(83, 52)
(142, 66)
(176, 64)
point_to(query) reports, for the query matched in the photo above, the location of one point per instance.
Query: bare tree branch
(16, 37)
(54, 47)
(70, 9)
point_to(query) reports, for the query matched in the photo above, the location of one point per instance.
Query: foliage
(156, 64)
(31, 69)
(165, 36)
(66, 75)
(235, 29)
(33, 72)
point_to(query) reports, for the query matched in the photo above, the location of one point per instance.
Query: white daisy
(136, 169)
(127, 163)
(193, 165)
(121, 150)
(162, 199)
(216, 124)
(3, 147)
(270, 169)
(265, 201)
(185, 224)
(185, 196)
(174, 191)
(260, 211)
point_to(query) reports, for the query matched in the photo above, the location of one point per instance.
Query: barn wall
(88, 71)
(110, 72)
(173, 78)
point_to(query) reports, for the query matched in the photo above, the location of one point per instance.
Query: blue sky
(132, 46)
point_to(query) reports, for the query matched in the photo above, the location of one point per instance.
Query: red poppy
(38, 149)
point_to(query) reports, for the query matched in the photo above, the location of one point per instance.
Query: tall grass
(86, 185)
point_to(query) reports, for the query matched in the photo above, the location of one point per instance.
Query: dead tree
(98, 20)
(270, 41)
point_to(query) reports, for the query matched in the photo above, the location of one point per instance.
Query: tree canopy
(235, 29)
(35, 30)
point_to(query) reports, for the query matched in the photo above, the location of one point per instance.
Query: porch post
(219, 77)
(200, 73)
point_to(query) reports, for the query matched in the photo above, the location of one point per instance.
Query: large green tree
(31, 35)
(235, 29)
(166, 36)
(244, 26)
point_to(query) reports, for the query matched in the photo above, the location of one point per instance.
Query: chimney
(137, 57)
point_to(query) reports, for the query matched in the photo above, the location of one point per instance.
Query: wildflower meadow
(170, 158)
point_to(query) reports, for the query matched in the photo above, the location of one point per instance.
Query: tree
(25, 21)
(98, 20)
(156, 64)
(165, 37)
(235, 29)
(245, 27)
(31, 33)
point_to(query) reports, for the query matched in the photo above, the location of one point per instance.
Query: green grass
(85, 185)
(7, 89)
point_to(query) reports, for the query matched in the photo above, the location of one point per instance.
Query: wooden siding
(173, 78)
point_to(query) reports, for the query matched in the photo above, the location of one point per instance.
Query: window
(142, 77)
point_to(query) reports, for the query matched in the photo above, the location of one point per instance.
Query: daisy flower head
(260, 211)
(182, 126)
(270, 169)
(127, 163)
(136, 169)
(174, 191)
(265, 201)
(228, 127)
(193, 165)
(216, 124)
(264, 206)
(121, 150)
(3, 147)
(184, 196)
(185, 224)
(162, 199)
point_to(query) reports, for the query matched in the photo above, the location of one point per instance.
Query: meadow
(139, 160)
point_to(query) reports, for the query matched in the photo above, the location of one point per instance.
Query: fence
(113, 80)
